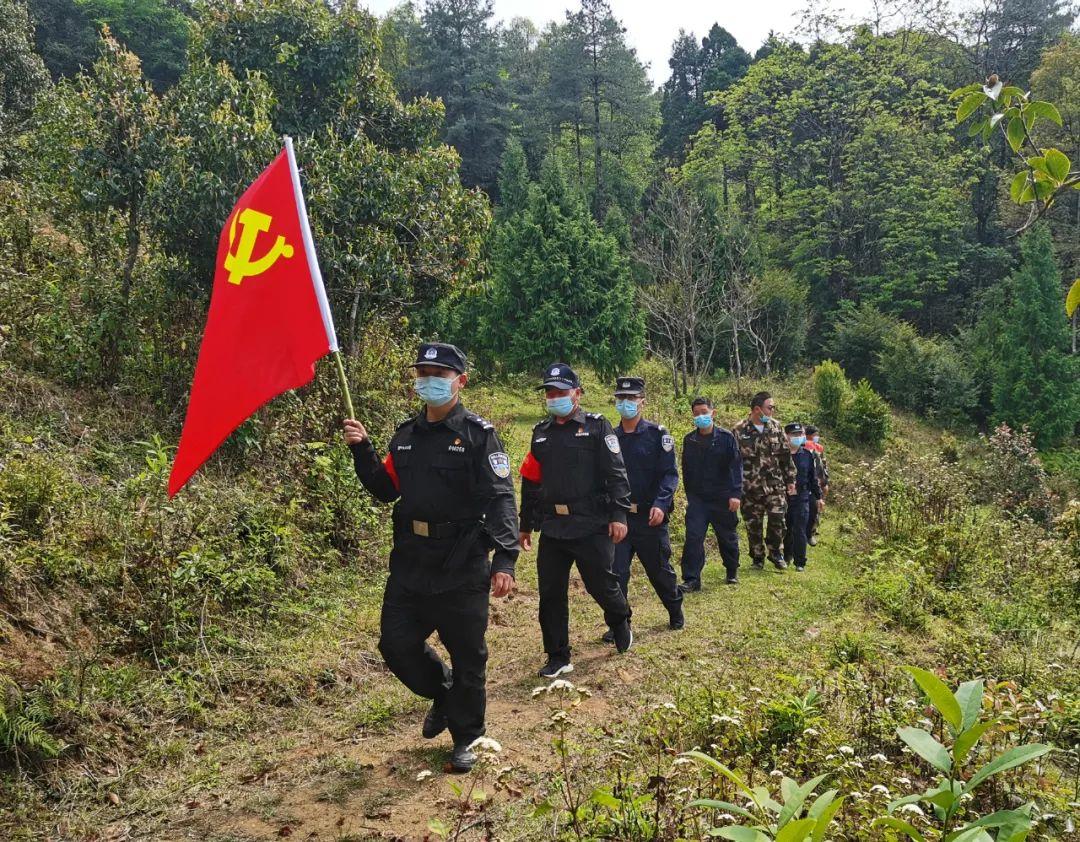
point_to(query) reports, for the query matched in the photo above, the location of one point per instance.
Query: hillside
(208, 669)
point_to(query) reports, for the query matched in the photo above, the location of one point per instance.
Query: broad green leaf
(1011, 820)
(1073, 299)
(738, 833)
(969, 695)
(793, 803)
(795, 831)
(788, 789)
(1043, 189)
(1027, 194)
(978, 127)
(1011, 91)
(1012, 758)
(825, 819)
(964, 91)
(973, 834)
(1057, 164)
(969, 739)
(1015, 134)
(542, 809)
(604, 799)
(715, 764)
(901, 825)
(1046, 110)
(907, 799)
(821, 802)
(927, 748)
(968, 106)
(940, 696)
(713, 804)
(1016, 188)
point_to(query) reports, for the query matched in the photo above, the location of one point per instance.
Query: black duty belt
(581, 506)
(430, 529)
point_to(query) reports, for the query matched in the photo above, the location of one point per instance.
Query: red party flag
(269, 318)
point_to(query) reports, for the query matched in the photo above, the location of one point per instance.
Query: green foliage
(24, 722)
(831, 389)
(926, 375)
(1036, 383)
(961, 713)
(30, 488)
(860, 335)
(22, 74)
(864, 418)
(1013, 470)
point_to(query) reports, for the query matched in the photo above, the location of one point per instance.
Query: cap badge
(430, 354)
(554, 371)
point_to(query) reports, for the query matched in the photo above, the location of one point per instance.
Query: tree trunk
(133, 240)
(598, 202)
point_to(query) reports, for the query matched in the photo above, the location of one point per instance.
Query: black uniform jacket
(455, 499)
(573, 480)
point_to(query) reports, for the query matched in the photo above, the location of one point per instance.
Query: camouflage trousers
(756, 511)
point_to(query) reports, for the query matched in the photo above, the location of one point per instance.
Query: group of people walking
(598, 497)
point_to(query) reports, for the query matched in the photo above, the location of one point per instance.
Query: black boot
(676, 620)
(462, 759)
(434, 722)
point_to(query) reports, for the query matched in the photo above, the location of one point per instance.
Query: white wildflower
(727, 817)
(848, 750)
(560, 684)
(879, 758)
(904, 781)
(485, 744)
(776, 773)
(914, 809)
(880, 789)
(810, 732)
(670, 706)
(423, 776)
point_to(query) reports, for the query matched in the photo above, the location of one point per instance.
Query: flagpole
(316, 278)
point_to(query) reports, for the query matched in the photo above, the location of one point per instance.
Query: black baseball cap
(560, 376)
(793, 427)
(440, 354)
(630, 386)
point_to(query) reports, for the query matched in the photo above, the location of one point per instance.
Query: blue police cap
(560, 376)
(440, 354)
(793, 427)
(632, 386)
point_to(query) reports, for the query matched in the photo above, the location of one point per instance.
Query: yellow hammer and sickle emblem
(240, 265)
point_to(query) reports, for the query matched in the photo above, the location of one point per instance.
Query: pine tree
(1036, 381)
(561, 287)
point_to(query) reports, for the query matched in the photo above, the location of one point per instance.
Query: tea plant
(961, 713)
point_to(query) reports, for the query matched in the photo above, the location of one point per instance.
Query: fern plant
(788, 819)
(961, 713)
(23, 722)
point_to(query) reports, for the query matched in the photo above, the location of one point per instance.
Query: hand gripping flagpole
(317, 280)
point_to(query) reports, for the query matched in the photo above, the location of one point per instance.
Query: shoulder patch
(476, 419)
(612, 443)
(593, 415)
(405, 423)
(666, 441)
(500, 464)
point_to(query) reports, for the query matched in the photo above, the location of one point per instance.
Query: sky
(652, 25)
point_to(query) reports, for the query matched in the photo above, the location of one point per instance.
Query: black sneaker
(676, 620)
(624, 637)
(434, 722)
(689, 587)
(608, 637)
(733, 579)
(799, 568)
(813, 541)
(779, 564)
(555, 667)
(462, 759)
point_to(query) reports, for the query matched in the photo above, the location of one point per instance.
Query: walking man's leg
(774, 535)
(693, 551)
(754, 512)
(404, 627)
(553, 560)
(654, 549)
(462, 617)
(594, 555)
(725, 523)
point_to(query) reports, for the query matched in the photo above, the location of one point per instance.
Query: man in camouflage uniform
(768, 478)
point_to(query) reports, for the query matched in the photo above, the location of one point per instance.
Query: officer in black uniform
(649, 454)
(807, 495)
(712, 476)
(574, 490)
(450, 476)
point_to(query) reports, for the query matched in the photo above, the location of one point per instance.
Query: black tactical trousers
(460, 616)
(798, 513)
(652, 546)
(594, 555)
(700, 514)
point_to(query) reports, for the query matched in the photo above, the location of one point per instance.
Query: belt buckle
(633, 508)
(562, 509)
(420, 527)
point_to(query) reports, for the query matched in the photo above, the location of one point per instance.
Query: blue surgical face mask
(560, 407)
(703, 422)
(816, 439)
(798, 441)
(765, 419)
(435, 391)
(627, 408)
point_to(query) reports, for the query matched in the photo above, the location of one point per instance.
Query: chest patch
(500, 464)
(542, 438)
(581, 432)
(456, 448)
(667, 442)
(404, 447)
(612, 443)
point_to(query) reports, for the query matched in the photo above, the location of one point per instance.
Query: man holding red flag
(450, 476)
(269, 318)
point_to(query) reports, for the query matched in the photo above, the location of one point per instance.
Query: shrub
(1013, 475)
(926, 375)
(860, 335)
(831, 390)
(864, 418)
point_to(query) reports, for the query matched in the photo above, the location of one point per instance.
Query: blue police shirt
(649, 454)
(712, 465)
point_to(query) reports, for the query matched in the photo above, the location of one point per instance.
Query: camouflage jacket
(766, 458)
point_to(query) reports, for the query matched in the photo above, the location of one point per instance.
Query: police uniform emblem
(430, 354)
(554, 371)
(667, 442)
(500, 464)
(626, 384)
(612, 443)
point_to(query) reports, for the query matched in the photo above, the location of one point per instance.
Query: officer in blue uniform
(713, 478)
(649, 454)
(807, 495)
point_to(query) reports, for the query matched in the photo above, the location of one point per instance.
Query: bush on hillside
(860, 335)
(926, 375)
(1013, 477)
(831, 389)
(864, 418)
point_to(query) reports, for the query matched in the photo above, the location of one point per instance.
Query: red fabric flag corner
(269, 320)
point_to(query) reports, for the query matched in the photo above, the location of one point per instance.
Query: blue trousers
(700, 515)
(652, 545)
(797, 517)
